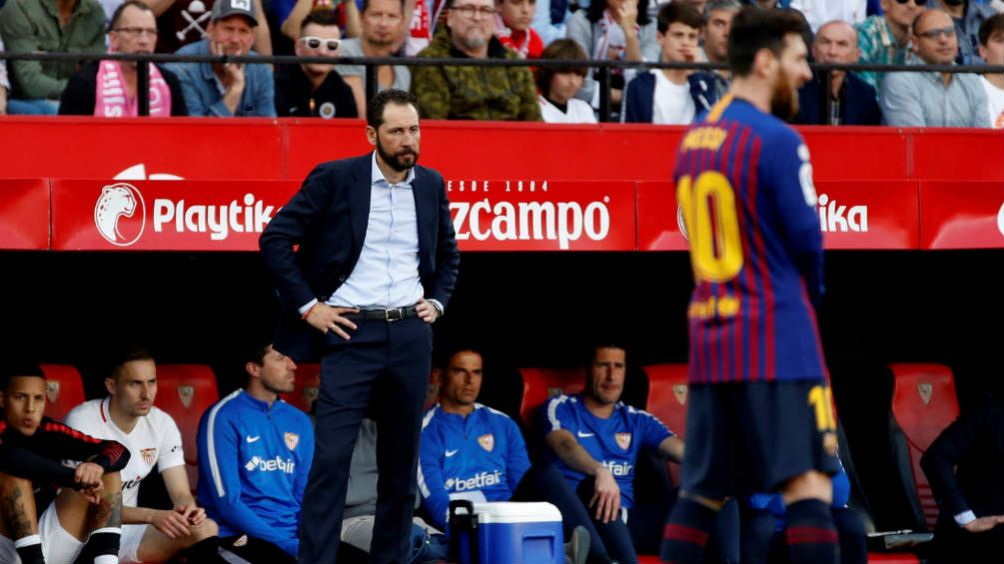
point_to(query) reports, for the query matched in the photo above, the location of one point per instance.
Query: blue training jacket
(614, 442)
(458, 456)
(253, 467)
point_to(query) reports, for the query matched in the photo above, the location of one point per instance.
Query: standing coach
(376, 265)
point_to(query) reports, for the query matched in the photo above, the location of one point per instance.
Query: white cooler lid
(516, 512)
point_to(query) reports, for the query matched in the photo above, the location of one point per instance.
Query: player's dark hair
(374, 110)
(256, 352)
(323, 18)
(754, 29)
(589, 353)
(676, 12)
(990, 27)
(561, 49)
(11, 370)
(445, 354)
(127, 354)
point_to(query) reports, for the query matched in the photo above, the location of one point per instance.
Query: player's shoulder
(228, 407)
(160, 419)
(88, 412)
(494, 416)
(561, 400)
(635, 413)
(292, 413)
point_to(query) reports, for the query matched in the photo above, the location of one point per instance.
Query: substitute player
(760, 416)
(127, 415)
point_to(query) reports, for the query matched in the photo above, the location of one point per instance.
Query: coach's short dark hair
(117, 14)
(563, 50)
(677, 12)
(323, 18)
(990, 27)
(754, 29)
(374, 110)
(11, 370)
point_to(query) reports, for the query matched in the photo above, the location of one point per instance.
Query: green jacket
(483, 93)
(33, 25)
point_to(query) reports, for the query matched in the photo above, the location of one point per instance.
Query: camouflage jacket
(483, 93)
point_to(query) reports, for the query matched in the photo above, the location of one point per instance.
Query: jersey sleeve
(653, 431)
(112, 456)
(307, 459)
(517, 459)
(558, 414)
(789, 173)
(171, 452)
(435, 497)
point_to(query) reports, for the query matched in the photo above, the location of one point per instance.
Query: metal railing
(602, 75)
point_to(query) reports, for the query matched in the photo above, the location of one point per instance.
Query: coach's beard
(784, 98)
(394, 161)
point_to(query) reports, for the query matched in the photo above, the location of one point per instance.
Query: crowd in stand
(900, 32)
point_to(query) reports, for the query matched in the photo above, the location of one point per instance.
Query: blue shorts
(748, 437)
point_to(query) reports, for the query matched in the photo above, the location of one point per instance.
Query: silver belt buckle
(395, 314)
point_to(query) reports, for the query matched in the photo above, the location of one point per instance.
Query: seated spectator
(929, 99)
(4, 83)
(852, 100)
(473, 452)
(967, 15)
(255, 452)
(763, 526)
(231, 89)
(33, 26)
(558, 86)
(672, 96)
(595, 440)
(819, 12)
(427, 543)
(486, 93)
(618, 30)
(962, 466)
(127, 415)
(315, 89)
(183, 22)
(514, 29)
(718, 22)
(290, 16)
(382, 25)
(108, 88)
(549, 19)
(992, 51)
(32, 448)
(885, 39)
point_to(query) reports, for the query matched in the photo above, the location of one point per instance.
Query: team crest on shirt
(487, 442)
(680, 393)
(186, 393)
(149, 455)
(292, 439)
(623, 440)
(52, 390)
(925, 389)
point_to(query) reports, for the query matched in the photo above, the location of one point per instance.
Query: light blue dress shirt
(921, 99)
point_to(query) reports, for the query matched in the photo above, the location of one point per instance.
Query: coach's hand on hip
(426, 311)
(326, 318)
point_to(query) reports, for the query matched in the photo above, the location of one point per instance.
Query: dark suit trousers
(383, 371)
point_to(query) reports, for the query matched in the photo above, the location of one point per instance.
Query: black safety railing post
(603, 80)
(371, 81)
(143, 87)
(827, 99)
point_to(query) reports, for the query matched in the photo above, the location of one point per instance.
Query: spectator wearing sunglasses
(315, 89)
(932, 99)
(96, 89)
(967, 15)
(885, 39)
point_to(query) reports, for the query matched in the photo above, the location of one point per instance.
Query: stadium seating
(308, 383)
(186, 391)
(667, 400)
(540, 384)
(923, 404)
(64, 389)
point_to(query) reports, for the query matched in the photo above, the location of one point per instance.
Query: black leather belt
(392, 314)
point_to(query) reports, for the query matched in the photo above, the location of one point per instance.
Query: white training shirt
(995, 102)
(578, 112)
(155, 440)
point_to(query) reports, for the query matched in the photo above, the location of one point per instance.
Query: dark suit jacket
(327, 218)
(858, 103)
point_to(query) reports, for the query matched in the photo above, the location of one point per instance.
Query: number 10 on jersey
(709, 212)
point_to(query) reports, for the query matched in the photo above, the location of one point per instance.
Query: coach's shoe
(577, 548)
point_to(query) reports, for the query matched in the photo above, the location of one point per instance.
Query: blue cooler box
(507, 532)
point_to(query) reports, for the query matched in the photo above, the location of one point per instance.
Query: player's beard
(784, 98)
(394, 161)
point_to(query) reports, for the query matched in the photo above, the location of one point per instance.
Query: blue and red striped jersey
(748, 204)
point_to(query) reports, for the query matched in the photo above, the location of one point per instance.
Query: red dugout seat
(540, 384)
(308, 384)
(64, 389)
(667, 400)
(923, 404)
(185, 392)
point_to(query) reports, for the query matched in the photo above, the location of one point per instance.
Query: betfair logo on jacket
(478, 481)
(618, 468)
(270, 465)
